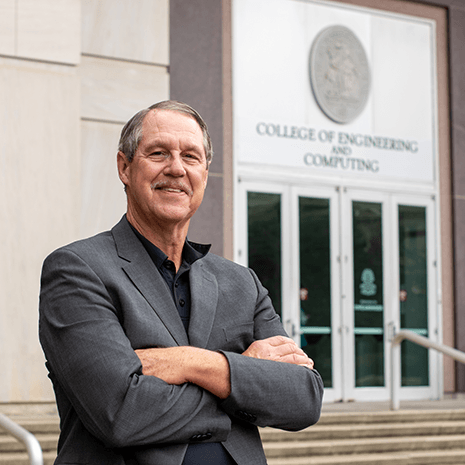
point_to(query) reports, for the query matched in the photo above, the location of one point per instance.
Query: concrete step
(370, 430)
(38, 425)
(10, 444)
(408, 437)
(363, 446)
(443, 457)
(21, 458)
(400, 416)
(46, 430)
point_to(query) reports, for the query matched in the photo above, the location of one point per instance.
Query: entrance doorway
(345, 267)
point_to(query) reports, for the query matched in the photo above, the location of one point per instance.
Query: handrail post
(396, 339)
(395, 374)
(32, 444)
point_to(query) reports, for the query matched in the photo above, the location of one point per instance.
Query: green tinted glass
(315, 283)
(368, 294)
(413, 292)
(264, 241)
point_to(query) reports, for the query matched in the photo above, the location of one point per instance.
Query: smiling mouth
(177, 188)
(169, 189)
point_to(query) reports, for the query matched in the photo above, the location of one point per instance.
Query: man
(159, 352)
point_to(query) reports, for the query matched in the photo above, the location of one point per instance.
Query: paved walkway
(450, 402)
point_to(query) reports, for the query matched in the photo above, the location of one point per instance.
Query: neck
(169, 238)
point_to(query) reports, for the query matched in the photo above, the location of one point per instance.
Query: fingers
(280, 349)
(279, 340)
(296, 358)
(310, 364)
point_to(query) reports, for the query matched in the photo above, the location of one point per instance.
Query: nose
(174, 166)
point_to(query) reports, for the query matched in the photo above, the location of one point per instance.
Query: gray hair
(131, 134)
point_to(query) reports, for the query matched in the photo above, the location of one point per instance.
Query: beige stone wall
(124, 68)
(71, 73)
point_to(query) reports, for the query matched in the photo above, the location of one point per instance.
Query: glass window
(368, 294)
(264, 241)
(413, 292)
(315, 283)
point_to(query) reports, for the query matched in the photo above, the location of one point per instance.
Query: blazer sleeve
(269, 393)
(92, 360)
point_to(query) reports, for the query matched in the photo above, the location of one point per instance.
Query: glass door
(345, 267)
(389, 283)
(291, 241)
(365, 276)
(264, 241)
(316, 259)
(417, 304)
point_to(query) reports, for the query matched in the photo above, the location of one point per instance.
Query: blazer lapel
(144, 275)
(204, 299)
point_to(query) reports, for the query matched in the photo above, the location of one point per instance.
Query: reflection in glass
(413, 292)
(368, 294)
(315, 283)
(264, 241)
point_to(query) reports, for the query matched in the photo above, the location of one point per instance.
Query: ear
(123, 167)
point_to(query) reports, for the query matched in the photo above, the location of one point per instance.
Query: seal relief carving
(339, 74)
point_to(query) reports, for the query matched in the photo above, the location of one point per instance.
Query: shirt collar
(191, 251)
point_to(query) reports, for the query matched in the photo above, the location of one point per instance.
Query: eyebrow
(155, 145)
(162, 145)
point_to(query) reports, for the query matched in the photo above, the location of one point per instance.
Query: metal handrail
(32, 444)
(395, 358)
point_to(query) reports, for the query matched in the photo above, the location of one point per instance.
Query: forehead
(171, 126)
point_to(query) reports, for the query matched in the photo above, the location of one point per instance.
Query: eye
(158, 154)
(191, 157)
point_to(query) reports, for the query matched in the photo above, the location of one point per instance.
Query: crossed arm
(209, 369)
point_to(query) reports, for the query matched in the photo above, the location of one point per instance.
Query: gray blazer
(101, 298)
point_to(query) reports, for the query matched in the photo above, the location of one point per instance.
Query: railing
(32, 444)
(395, 358)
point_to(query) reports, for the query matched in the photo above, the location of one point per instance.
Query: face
(166, 179)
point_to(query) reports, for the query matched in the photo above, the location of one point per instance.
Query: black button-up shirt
(212, 453)
(178, 282)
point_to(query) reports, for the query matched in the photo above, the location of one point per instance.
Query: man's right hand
(279, 349)
(177, 365)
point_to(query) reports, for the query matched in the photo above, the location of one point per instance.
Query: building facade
(337, 173)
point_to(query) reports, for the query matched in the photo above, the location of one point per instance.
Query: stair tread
(329, 451)
(380, 445)
(36, 427)
(390, 416)
(24, 454)
(326, 442)
(9, 444)
(40, 436)
(370, 426)
(399, 458)
(22, 458)
(365, 430)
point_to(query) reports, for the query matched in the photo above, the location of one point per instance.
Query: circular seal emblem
(339, 74)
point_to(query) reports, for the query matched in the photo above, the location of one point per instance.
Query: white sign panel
(330, 88)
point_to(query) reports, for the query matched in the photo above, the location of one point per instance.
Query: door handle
(291, 329)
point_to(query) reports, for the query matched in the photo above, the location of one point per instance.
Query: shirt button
(181, 302)
(176, 284)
